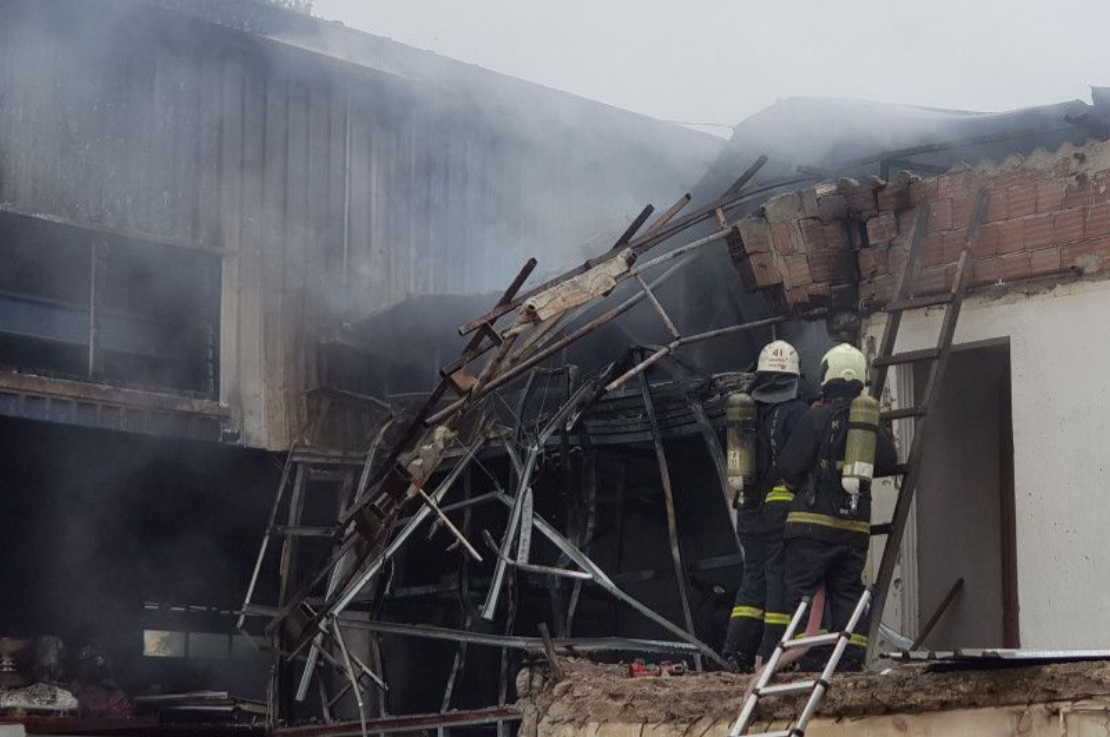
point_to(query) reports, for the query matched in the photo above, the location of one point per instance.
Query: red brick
(896, 258)
(763, 270)
(1068, 226)
(797, 271)
(1078, 194)
(830, 266)
(1064, 166)
(1020, 177)
(797, 297)
(986, 270)
(924, 190)
(1098, 220)
(872, 261)
(932, 250)
(1011, 236)
(1097, 246)
(893, 198)
(819, 295)
(940, 215)
(813, 233)
(861, 201)
(997, 206)
(1013, 267)
(906, 221)
(954, 241)
(879, 289)
(932, 280)
(1021, 200)
(836, 234)
(1038, 231)
(962, 209)
(755, 234)
(781, 238)
(961, 183)
(1050, 195)
(989, 237)
(882, 228)
(944, 187)
(1044, 261)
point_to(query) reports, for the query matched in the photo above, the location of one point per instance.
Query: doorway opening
(965, 503)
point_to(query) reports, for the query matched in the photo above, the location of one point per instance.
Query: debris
(40, 697)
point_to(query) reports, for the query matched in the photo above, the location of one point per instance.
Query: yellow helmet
(844, 362)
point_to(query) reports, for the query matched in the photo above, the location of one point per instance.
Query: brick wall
(834, 244)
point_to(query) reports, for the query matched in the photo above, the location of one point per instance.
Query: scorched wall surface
(330, 188)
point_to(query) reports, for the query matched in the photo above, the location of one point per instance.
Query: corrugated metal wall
(333, 190)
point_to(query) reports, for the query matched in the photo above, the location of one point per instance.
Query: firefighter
(758, 616)
(828, 529)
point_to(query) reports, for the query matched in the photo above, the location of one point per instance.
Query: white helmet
(844, 362)
(778, 357)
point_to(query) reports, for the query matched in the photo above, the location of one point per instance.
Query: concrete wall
(1059, 376)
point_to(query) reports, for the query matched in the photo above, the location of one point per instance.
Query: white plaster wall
(1060, 365)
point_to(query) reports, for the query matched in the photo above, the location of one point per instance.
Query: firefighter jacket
(810, 465)
(769, 498)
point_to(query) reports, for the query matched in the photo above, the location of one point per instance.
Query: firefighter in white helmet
(828, 529)
(758, 616)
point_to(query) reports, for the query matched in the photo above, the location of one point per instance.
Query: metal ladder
(815, 687)
(337, 472)
(903, 301)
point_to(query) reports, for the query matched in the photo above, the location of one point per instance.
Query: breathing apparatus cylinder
(740, 429)
(859, 447)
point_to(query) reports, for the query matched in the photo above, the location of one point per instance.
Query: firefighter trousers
(758, 617)
(809, 563)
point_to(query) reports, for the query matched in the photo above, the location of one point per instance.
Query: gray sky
(720, 60)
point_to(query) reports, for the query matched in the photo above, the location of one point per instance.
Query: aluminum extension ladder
(816, 688)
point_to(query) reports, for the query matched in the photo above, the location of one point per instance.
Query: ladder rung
(303, 531)
(900, 470)
(258, 610)
(900, 414)
(815, 641)
(918, 302)
(327, 474)
(787, 689)
(925, 354)
(781, 733)
(327, 457)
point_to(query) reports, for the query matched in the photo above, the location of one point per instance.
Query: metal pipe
(553, 348)
(599, 576)
(419, 516)
(679, 342)
(669, 213)
(448, 524)
(667, 322)
(672, 517)
(639, 245)
(517, 642)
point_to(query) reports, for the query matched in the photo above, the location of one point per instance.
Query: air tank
(740, 442)
(859, 447)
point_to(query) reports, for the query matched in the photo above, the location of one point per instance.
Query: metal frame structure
(377, 514)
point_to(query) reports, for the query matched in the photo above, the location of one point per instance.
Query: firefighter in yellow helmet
(758, 616)
(828, 529)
